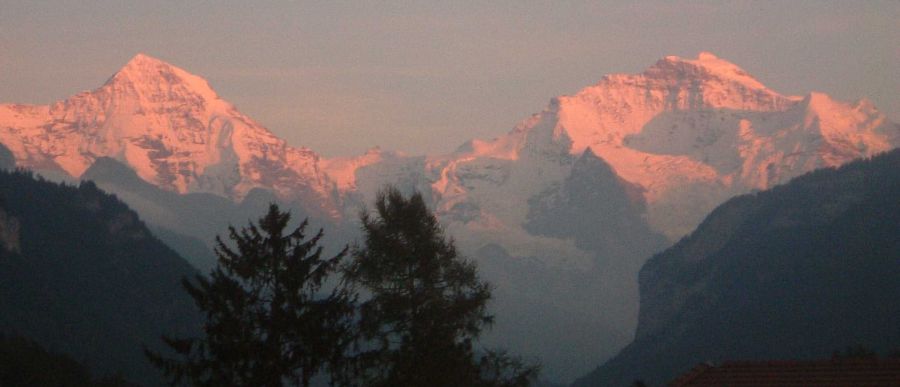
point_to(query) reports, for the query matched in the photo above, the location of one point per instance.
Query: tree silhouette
(268, 320)
(426, 306)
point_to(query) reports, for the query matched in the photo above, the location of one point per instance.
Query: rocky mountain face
(683, 129)
(172, 129)
(795, 272)
(593, 192)
(560, 212)
(689, 133)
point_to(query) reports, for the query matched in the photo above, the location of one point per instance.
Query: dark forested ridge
(81, 275)
(187, 222)
(24, 363)
(795, 272)
(7, 160)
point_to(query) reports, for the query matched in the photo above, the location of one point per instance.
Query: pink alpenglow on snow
(689, 132)
(171, 128)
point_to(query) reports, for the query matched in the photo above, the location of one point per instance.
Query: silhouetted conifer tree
(268, 320)
(427, 306)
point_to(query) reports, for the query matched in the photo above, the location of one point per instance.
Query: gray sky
(421, 77)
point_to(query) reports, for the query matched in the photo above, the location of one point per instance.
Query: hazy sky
(420, 77)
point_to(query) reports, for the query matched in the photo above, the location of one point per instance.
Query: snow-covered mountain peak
(602, 115)
(818, 105)
(688, 132)
(706, 64)
(153, 80)
(172, 128)
(706, 55)
(143, 63)
(680, 123)
(146, 68)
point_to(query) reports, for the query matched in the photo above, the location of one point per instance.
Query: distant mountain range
(561, 211)
(795, 272)
(684, 126)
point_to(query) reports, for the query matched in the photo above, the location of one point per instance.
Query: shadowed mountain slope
(80, 274)
(794, 272)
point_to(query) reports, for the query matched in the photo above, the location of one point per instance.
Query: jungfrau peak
(582, 189)
(560, 212)
(172, 129)
(690, 133)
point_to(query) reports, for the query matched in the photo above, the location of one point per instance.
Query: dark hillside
(81, 275)
(795, 272)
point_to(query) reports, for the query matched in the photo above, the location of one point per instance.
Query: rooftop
(848, 372)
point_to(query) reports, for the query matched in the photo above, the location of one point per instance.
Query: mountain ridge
(172, 129)
(680, 138)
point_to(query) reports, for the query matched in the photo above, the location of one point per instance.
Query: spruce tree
(269, 322)
(426, 305)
